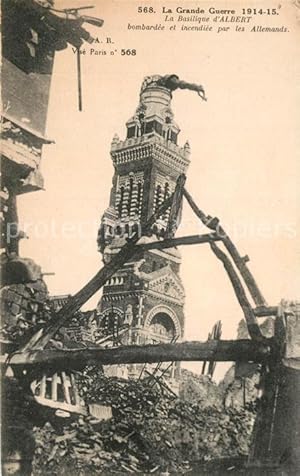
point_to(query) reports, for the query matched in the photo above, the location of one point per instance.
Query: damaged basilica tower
(146, 294)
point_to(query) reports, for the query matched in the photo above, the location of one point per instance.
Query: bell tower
(147, 293)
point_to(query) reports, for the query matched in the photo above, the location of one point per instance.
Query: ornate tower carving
(147, 293)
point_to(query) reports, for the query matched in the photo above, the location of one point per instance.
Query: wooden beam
(216, 350)
(252, 324)
(176, 208)
(182, 240)
(239, 261)
(264, 311)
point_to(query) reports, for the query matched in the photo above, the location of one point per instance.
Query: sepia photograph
(150, 237)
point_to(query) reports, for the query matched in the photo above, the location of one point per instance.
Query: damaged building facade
(32, 32)
(27, 65)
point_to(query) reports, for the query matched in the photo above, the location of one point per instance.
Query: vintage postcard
(150, 189)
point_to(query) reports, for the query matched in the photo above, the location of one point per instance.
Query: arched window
(120, 205)
(131, 132)
(167, 190)
(158, 198)
(163, 326)
(129, 203)
(166, 195)
(139, 197)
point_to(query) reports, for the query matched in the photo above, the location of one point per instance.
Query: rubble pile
(150, 432)
(238, 391)
(24, 310)
(200, 389)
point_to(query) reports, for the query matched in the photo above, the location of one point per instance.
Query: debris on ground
(24, 310)
(150, 432)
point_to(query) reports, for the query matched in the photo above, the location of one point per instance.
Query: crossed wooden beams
(257, 349)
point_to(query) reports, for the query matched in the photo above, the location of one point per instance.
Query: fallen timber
(265, 311)
(181, 240)
(217, 350)
(239, 261)
(253, 327)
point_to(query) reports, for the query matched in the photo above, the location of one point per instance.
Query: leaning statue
(172, 82)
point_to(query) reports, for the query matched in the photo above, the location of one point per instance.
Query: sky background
(244, 154)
